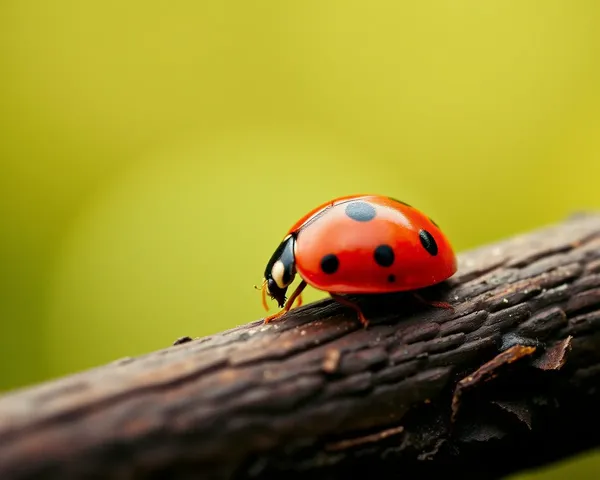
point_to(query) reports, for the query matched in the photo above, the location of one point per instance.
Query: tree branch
(505, 381)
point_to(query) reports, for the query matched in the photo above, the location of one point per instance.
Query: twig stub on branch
(506, 380)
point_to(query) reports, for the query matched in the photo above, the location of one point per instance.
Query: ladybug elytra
(358, 244)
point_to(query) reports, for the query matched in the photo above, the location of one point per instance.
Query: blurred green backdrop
(152, 156)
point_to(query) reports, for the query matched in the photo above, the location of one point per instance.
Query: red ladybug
(359, 244)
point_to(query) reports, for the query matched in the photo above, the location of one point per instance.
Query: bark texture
(507, 380)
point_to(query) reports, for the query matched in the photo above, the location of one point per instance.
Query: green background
(153, 154)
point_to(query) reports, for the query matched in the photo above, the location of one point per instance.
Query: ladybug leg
(296, 295)
(432, 303)
(263, 291)
(264, 296)
(352, 305)
(299, 300)
(290, 301)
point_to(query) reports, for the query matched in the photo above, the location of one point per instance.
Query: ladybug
(359, 244)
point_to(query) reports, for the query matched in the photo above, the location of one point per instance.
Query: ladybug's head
(280, 272)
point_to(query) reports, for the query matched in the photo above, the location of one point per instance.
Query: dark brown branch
(507, 380)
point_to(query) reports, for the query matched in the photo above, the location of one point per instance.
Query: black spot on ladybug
(360, 211)
(384, 255)
(391, 278)
(330, 263)
(431, 220)
(428, 242)
(400, 201)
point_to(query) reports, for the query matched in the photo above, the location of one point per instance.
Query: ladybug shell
(370, 244)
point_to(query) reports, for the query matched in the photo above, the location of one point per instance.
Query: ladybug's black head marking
(279, 294)
(281, 270)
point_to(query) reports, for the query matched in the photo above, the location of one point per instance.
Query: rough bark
(506, 380)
